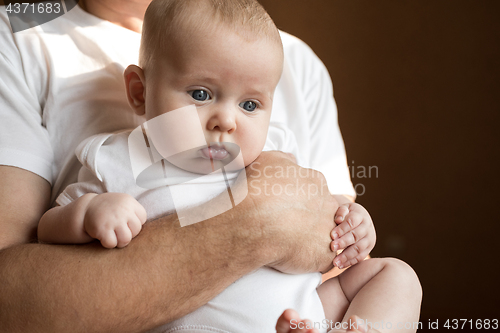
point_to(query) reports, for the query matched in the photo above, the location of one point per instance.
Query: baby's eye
(248, 106)
(199, 95)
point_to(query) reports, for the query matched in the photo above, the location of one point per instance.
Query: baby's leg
(382, 292)
(335, 303)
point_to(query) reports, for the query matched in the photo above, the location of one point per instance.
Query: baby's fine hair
(165, 18)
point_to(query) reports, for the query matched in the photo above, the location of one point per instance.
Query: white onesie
(251, 304)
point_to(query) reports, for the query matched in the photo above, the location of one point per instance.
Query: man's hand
(355, 234)
(296, 212)
(114, 219)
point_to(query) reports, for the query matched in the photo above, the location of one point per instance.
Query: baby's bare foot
(290, 322)
(355, 325)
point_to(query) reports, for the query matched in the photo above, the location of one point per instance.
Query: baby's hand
(355, 233)
(114, 219)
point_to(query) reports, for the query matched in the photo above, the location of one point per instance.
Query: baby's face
(229, 79)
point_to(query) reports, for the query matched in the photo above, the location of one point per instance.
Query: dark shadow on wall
(417, 88)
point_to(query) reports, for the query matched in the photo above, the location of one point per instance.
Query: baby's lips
(214, 152)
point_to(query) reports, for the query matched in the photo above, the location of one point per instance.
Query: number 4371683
(485, 324)
(40, 8)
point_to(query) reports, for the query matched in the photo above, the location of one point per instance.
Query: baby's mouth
(214, 152)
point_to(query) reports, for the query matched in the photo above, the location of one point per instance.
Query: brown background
(417, 88)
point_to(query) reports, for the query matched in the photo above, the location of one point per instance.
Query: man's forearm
(165, 273)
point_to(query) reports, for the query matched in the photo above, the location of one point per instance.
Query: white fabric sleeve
(87, 183)
(327, 153)
(89, 179)
(24, 141)
(280, 137)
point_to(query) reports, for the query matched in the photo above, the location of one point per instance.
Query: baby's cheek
(251, 152)
(252, 139)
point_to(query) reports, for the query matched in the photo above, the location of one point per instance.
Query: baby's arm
(112, 218)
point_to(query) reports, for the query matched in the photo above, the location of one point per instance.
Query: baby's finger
(351, 221)
(350, 238)
(340, 214)
(123, 235)
(135, 225)
(140, 211)
(353, 254)
(108, 239)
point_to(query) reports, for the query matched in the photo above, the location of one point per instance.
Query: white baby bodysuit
(251, 304)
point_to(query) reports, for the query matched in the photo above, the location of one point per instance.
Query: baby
(225, 58)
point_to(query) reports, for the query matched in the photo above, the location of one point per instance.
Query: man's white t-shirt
(62, 82)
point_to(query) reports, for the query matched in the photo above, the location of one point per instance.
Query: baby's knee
(405, 273)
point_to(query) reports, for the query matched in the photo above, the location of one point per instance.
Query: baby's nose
(223, 120)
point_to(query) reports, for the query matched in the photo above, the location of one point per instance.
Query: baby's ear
(135, 85)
